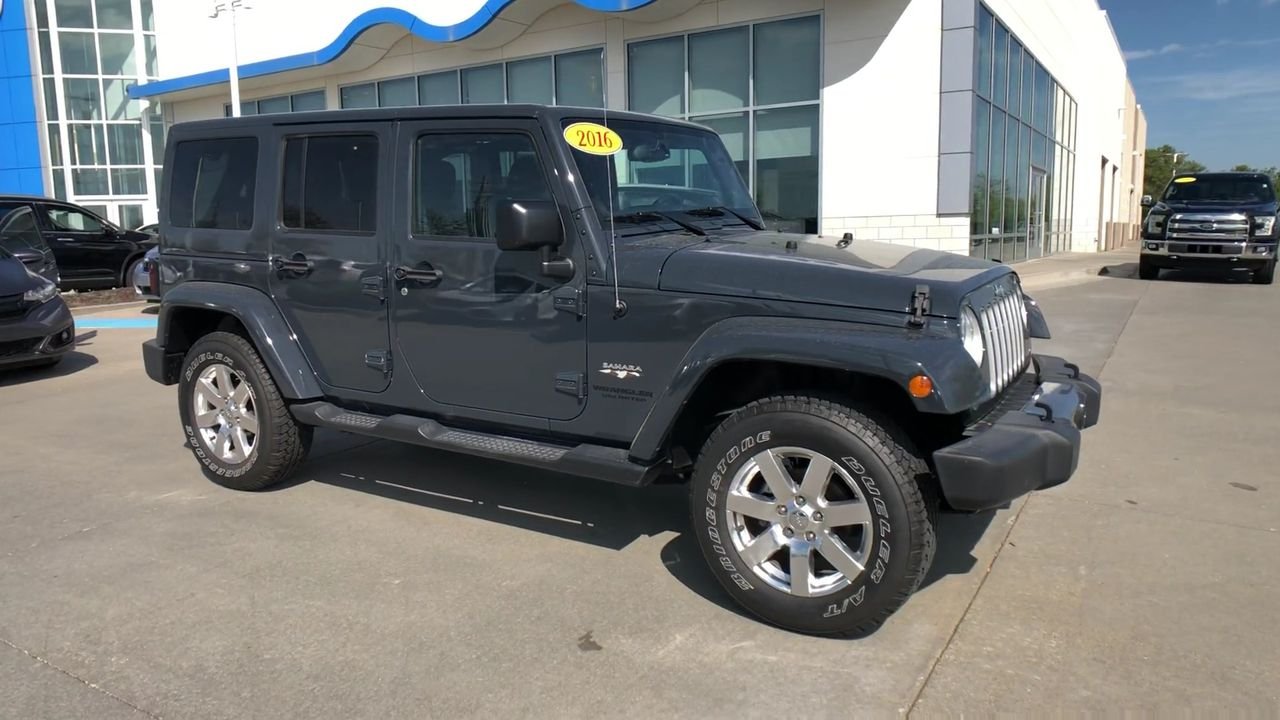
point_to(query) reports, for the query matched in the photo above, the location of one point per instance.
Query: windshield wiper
(720, 210)
(650, 216)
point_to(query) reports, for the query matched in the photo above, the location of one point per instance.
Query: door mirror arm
(560, 268)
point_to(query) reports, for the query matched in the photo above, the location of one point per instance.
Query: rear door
(20, 235)
(86, 247)
(328, 248)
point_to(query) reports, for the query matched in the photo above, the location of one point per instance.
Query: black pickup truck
(1221, 221)
(597, 294)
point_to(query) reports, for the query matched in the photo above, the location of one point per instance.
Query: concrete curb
(94, 309)
(1076, 276)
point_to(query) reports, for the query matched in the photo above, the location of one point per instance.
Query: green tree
(1160, 168)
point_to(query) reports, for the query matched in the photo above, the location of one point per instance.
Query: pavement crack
(942, 652)
(77, 678)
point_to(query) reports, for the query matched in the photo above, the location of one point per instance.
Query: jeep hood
(808, 268)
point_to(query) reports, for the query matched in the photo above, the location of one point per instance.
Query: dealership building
(1005, 129)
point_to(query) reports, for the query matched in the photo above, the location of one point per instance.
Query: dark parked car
(506, 281)
(91, 252)
(36, 328)
(20, 235)
(1219, 221)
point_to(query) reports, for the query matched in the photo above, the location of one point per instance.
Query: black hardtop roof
(1226, 174)
(554, 113)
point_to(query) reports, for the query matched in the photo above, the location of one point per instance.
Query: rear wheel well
(735, 384)
(188, 324)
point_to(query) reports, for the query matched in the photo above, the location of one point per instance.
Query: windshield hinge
(570, 300)
(920, 305)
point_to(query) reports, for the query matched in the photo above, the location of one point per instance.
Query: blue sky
(1207, 74)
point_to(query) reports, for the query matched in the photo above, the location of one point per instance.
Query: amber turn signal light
(920, 387)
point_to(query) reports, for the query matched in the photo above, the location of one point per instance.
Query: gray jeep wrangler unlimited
(597, 294)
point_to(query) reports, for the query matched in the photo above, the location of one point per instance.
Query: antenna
(619, 307)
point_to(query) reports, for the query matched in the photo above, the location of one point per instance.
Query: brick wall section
(924, 231)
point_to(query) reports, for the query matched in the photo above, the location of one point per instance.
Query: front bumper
(1186, 252)
(1029, 441)
(44, 333)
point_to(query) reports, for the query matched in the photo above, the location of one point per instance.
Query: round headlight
(971, 335)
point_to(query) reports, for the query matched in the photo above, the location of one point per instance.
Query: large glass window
(438, 89)
(213, 183)
(297, 102)
(1024, 151)
(759, 86)
(718, 78)
(330, 182)
(79, 56)
(74, 13)
(530, 81)
(460, 178)
(580, 79)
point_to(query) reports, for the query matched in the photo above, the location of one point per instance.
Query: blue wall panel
(20, 166)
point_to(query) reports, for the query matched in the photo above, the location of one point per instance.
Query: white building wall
(880, 97)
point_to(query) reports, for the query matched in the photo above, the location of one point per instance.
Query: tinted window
(331, 183)
(69, 220)
(460, 179)
(18, 231)
(213, 184)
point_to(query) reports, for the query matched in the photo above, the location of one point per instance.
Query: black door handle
(426, 275)
(298, 264)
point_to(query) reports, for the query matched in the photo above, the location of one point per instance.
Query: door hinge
(920, 305)
(572, 383)
(570, 300)
(374, 285)
(379, 360)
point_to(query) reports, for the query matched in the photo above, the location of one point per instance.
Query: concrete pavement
(392, 581)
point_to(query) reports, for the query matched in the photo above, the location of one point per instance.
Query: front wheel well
(186, 325)
(735, 384)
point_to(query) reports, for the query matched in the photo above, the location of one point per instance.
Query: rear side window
(213, 183)
(331, 183)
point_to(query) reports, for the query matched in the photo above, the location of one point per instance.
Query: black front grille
(12, 306)
(13, 348)
(1015, 397)
(1203, 249)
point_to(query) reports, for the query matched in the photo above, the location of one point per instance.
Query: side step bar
(593, 461)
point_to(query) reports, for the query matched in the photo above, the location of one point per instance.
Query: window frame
(282, 142)
(502, 64)
(415, 136)
(751, 106)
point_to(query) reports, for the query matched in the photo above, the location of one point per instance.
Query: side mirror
(1147, 201)
(528, 225)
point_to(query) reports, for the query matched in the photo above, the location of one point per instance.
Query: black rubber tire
(126, 280)
(282, 442)
(884, 465)
(1266, 274)
(1147, 271)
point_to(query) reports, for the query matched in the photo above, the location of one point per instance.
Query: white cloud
(1204, 48)
(1222, 85)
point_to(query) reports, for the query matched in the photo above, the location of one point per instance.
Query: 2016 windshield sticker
(591, 138)
(1182, 180)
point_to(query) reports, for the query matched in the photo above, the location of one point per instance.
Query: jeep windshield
(666, 177)
(1220, 189)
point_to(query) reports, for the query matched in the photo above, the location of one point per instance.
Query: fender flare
(895, 354)
(266, 325)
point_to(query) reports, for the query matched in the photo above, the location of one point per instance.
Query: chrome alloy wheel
(225, 413)
(798, 519)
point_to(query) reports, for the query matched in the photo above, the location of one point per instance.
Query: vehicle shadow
(583, 510)
(1129, 271)
(73, 362)
(577, 509)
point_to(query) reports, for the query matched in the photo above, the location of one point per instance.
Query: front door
(86, 248)
(478, 327)
(329, 270)
(1036, 207)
